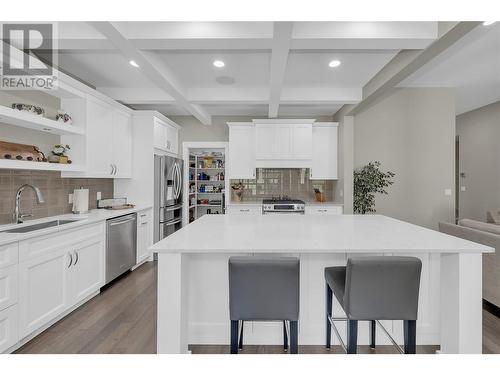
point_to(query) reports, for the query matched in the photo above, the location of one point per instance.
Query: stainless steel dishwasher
(121, 245)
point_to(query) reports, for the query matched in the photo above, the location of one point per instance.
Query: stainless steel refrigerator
(168, 196)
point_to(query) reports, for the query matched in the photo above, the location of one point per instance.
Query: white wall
(412, 133)
(479, 160)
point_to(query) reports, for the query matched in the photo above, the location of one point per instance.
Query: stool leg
(240, 345)
(373, 325)
(285, 337)
(352, 336)
(234, 337)
(294, 336)
(329, 297)
(410, 334)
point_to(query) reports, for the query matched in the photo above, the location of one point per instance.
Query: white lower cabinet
(244, 209)
(8, 286)
(144, 235)
(43, 289)
(59, 276)
(9, 333)
(324, 210)
(87, 268)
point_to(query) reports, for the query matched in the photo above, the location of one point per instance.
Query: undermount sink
(31, 228)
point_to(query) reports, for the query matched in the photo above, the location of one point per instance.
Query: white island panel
(193, 277)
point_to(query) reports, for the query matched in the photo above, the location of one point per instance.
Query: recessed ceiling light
(219, 63)
(133, 63)
(488, 23)
(334, 63)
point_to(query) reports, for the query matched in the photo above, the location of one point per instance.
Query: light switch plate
(70, 198)
(99, 195)
(447, 192)
(462, 188)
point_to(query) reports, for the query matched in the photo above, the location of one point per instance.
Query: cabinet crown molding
(284, 121)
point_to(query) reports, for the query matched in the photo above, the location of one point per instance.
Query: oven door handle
(168, 223)
(174, 208)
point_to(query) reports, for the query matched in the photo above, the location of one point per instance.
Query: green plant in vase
(368, 181)
(59, 154)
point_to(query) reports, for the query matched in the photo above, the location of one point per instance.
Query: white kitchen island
(193, 293)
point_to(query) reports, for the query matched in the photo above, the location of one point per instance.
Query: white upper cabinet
(166, 136)
(99, 136)
(324, 162)
(302, 141)
(106, 149)
(241, 161)
(122, 144)
(283, 143)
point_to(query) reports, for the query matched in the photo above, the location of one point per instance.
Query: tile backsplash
(292, 182)
(54, 188)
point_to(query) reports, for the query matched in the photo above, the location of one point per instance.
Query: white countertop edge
(315, 204)
(164, 250)
(94, 216)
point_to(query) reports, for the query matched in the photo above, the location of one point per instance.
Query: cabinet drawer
(8, 286)
(244, 210)
(143, 216)
(9, 333)
(324, 210)
(38, 246)
(9, 254)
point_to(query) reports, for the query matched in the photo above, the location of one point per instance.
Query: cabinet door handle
(144, 223)
(322, 211)
(70, 260)
(112, 169)
(245, 210)
(116, 168)
(77, 257)
(143, 215)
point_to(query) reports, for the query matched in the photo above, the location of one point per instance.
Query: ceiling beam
(282, 36)
(228, 95)
(153, 68)
(405, 64)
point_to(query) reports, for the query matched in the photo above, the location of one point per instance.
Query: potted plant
(238, 191)
(368, 181)
(59, 154)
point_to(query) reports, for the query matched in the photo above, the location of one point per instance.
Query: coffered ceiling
(270, 68)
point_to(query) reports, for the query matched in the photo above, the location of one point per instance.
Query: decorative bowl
(39, 111)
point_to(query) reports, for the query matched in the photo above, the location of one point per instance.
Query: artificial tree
(368, 181)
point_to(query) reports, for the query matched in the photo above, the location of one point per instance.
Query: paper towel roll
(80, 201)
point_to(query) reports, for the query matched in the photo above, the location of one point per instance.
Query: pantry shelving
(206, 183)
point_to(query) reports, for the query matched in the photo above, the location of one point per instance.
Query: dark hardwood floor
(122, 319)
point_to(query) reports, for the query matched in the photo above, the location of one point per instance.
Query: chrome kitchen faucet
(18, 217)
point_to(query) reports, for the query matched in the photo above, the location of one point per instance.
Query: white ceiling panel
(471, 66)
(356, 69)
(103, 69)
(195, 69)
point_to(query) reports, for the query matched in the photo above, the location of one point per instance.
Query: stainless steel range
(283, 205)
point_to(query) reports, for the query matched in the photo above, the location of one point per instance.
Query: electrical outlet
(70, 198)
(99, 195)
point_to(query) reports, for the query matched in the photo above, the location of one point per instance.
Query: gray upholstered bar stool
(264, 288)
(374, 288)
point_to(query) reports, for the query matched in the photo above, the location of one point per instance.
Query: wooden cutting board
(17, 151)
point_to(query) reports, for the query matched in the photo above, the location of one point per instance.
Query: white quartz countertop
(93, 216)
(310, 234)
